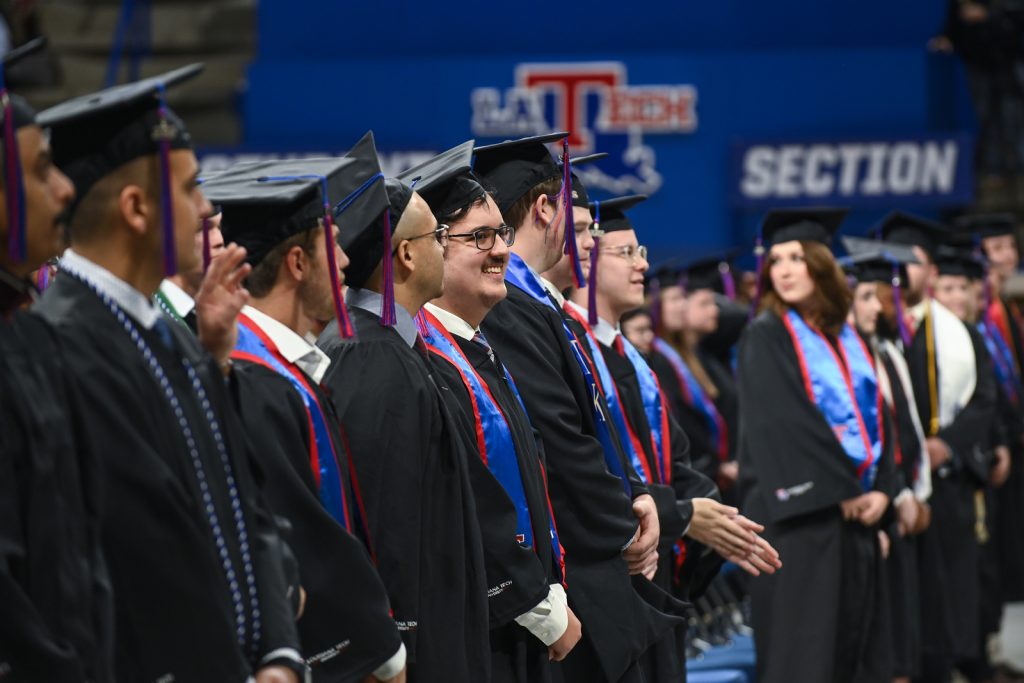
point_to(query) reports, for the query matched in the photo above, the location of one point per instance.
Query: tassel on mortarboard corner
(897, 300)
(728, 281)
(594, 256)
(570, 231)
(388, 317)
(13, 183)
(755, 300)
(163, 133)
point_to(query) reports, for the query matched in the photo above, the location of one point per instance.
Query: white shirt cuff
(905, 493)
(393, 666)
(550, 618)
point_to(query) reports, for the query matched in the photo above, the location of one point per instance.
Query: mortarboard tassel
(13, 185)
(387, 307)
(570, 231)
(163, 134)
(728, 281)
(206, 245)
(44, 276)
(897, 300)
(594, 255)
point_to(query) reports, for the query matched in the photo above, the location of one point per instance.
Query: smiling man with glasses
(406, 445)
(531, 624)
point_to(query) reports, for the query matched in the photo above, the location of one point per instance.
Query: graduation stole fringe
(842, 383)
(628, 437)
(519, 275)
(694, 394)
(255, 347)
(494, 436)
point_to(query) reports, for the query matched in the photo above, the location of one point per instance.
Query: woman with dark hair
(811, 462)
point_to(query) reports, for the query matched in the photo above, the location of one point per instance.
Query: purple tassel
(901, 320)
(344, 323)
(728, 281)
(421, 323)
(570, 230)
(592, 283)
(163, 134)
(13, 183)
(387, 308)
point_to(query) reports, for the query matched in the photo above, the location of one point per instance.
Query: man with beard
(57, 624)
(956, 400)
(195, 559)
(276, 211)
(876, 266)
(409, 456)
(531, 624)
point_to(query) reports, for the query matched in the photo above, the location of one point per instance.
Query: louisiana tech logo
(601, 111)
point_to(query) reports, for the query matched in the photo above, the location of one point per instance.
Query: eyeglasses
(484, 237)
(628, 251)
(440, 233)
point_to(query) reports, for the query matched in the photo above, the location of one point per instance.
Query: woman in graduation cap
(877, 270)
(810, 453)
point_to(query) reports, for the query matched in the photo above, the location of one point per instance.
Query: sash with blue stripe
(519, 274)
(1002, 360)
(494, 437)
(698, 398)
(654, 406)
(256, 347)
(842, 384)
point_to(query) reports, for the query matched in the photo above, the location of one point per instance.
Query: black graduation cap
(16, 110)
(514, 167)
(579, 190)
(446, 182)
(266, 202)
(95, 134)
(818, 224)
(911, 230)
(875, 260)
(988, 224)
(958, 261)
(711, 272)
(609, 215)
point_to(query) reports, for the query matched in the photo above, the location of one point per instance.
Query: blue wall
(328, 71)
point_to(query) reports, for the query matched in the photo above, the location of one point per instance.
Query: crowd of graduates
(300, 420)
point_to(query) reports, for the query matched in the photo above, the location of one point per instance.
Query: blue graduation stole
(1002, 360)
(846, 393)
(628, 437)
(519, 274)
(697, 398)
(654, 406)
(254, 346)
(493, 435)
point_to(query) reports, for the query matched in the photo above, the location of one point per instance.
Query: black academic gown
(411, 464)
(175, 617)
(346, 628)
(1008, 522)
(948, 550)
(819, 618)
(518, 577)
(902, 566)
(594, 513)
(55, 596)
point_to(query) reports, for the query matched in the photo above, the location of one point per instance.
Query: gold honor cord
(980, 524)
(933, 388)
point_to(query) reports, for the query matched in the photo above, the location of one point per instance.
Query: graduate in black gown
(408, 450)
(956, 398)
(195, 558)
(57, 613)
(812, 463)
(876, 266)
(346, 629)
(607, 521)
(999, 242)
(531, 623)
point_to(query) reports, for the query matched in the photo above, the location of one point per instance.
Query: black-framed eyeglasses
(485, 237)
(630, 252)
(440, 233)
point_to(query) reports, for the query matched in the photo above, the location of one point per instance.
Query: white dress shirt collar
(296, 350)
(453, 323)
(133, 302)
(179, 299)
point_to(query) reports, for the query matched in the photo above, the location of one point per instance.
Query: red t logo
(570, 86)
